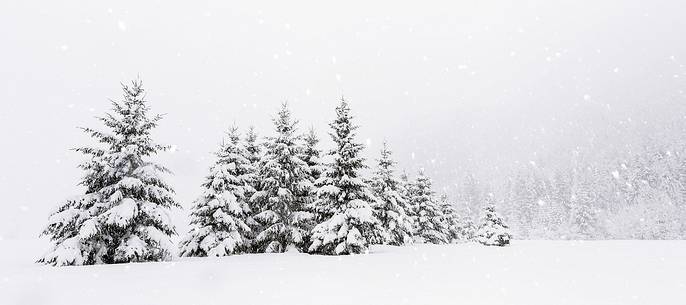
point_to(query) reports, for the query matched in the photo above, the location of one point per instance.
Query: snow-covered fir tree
(467, 228)
(392, 211)
(124, 214)
(221, 216)
(346, 221)
(583, 220)
(406, 190)
(430, 222)
(283, 189)
(253, 149)
(492, 230)
(522, 201)
(311, 154)
(454, 228)
(252, 146)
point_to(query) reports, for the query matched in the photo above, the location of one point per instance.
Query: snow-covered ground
(528, 273)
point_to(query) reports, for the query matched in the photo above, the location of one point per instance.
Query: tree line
(261, 195)
(640, 194)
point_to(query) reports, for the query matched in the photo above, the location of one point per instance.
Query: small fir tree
(392, 211)
(492, 231)
(253, 149)
(467, 228)
(454, 230)
(583, 220)
(347, 224)
(252, 146)
(430, 221)
(221, 216)
(312, 155)
(124, 214)
(406, 189)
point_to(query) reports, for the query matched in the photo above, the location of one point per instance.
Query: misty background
(455, 87)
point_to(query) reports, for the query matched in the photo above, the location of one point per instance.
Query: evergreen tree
(392, 212)
(283, 190)
(346, 222)
(584, 222)
(406, 190)
(430, 222)
(312, 155)
(467, 228)
(405, 184)
(522, 199)
(124, 214)
(454, 228)
(471, 193)
(252, 147)
(221, 215)
(492, 231)
(253, 151)
(561, 200)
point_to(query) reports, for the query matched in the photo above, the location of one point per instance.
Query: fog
(454, 87)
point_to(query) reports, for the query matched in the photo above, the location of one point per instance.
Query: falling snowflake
(121, 25)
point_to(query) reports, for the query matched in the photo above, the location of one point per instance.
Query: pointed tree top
(283, 121)
(134, 90)
(233, 134)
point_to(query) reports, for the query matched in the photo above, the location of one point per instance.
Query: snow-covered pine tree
(124, 214)
(221, 215)
(312, 155)
(392, 211)
(430, 222)
(404, 183)
(522, 200)
(583, 221)
(453, 225)
(467, 228)
(561, 194)
(406, 190)
(252, 147)
(346, 222)
(471, 192)
(492, 231)
(283, 189)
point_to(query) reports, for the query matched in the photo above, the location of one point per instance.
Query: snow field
(527, 273)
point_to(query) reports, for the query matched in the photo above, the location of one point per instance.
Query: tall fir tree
(124, 214)
(311, 154)
(221, 216)
(346, 221)
(492, 230)
(254, 149)
(430, 221)
(392, 211)
(283, 190)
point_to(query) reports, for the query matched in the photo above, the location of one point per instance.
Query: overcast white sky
(454, 86)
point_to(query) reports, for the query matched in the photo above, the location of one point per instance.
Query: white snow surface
(527, 272)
